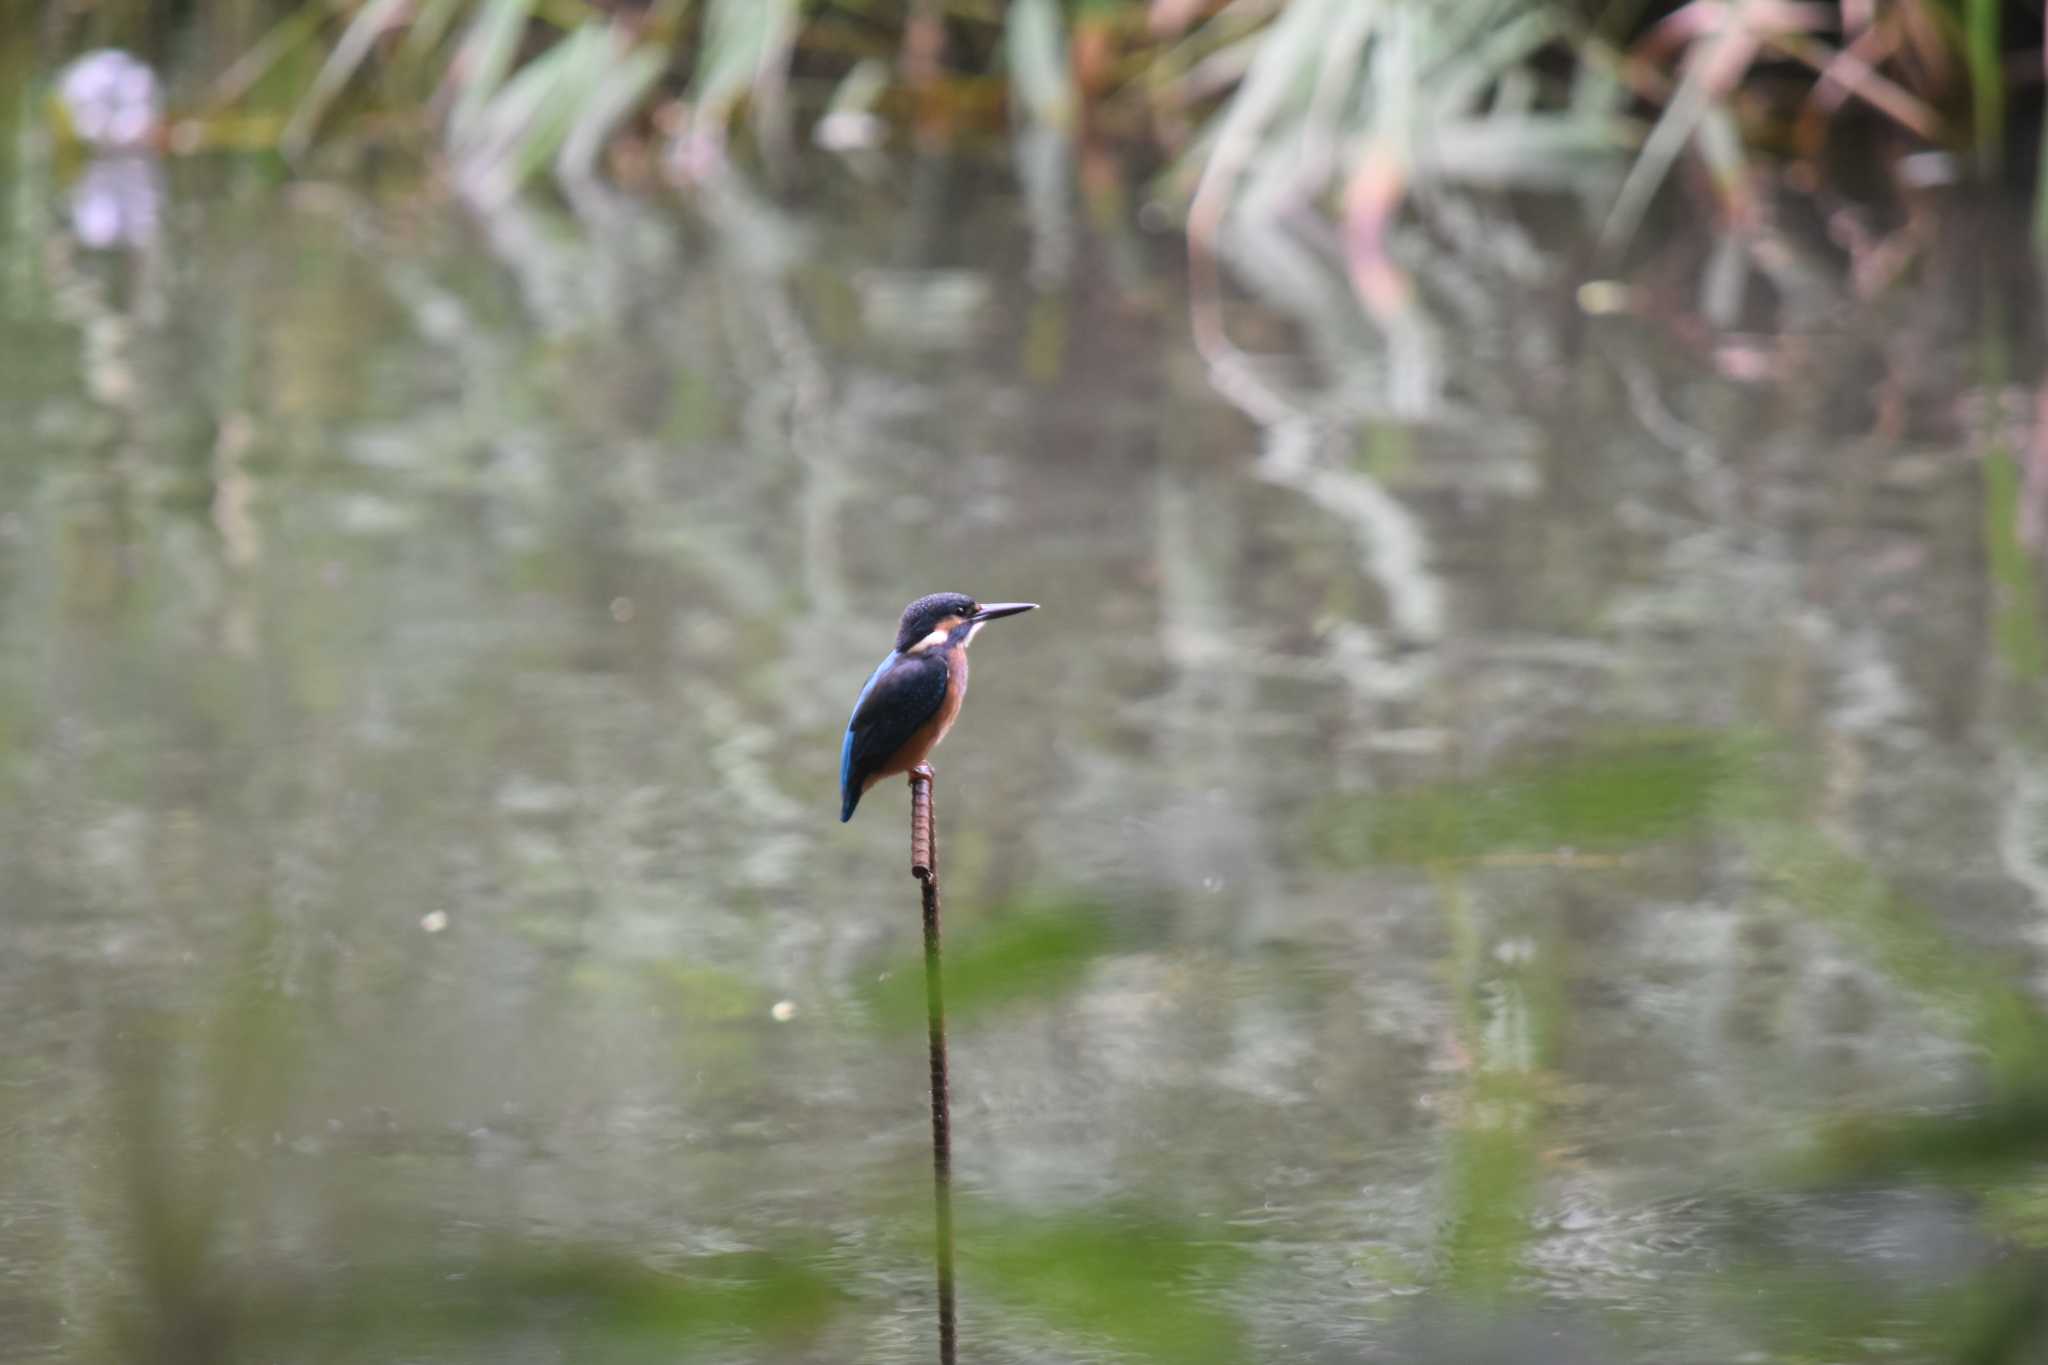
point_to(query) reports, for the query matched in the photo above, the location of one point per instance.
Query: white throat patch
(937, 637)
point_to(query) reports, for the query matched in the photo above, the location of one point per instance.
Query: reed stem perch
(924, 866)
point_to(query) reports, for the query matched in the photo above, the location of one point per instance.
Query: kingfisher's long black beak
(997, 610)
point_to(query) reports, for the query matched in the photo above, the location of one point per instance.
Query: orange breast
(927, 736)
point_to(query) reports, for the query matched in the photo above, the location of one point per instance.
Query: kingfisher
(913, 697)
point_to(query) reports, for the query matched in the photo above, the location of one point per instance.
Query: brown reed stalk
(924, 865)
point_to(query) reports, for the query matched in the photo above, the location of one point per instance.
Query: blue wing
(846, 747)
(900, 696)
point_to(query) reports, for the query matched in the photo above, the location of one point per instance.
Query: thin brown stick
(924, 865)
(921, 865)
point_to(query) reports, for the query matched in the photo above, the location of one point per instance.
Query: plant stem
(1983, 20)
(924, 865)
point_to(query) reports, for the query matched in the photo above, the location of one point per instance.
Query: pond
(1520, 831)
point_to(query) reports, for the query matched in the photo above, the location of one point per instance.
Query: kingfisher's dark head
(939, 617)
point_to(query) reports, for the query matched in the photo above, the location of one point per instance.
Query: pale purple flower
(111, 98)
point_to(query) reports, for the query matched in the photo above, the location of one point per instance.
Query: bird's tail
(846, 806)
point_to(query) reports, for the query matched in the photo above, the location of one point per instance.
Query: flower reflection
(112, 103)
(117, 202)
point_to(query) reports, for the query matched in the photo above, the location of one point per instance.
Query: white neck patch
(939, 636)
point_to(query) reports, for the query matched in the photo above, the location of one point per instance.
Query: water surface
(1476, 810)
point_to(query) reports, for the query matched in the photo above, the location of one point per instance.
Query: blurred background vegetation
(1521, 833)
(1260, 106)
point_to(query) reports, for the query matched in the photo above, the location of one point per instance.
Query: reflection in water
(1482, 804)
(111, 104)
(115, 202)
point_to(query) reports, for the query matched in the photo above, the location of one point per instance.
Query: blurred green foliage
(595, 1302)
(592, 1301)
(1151, 1290)
(1909, 943)
(1007, 954)
(1325, 100)
(2019, 615)
(1610, 796)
